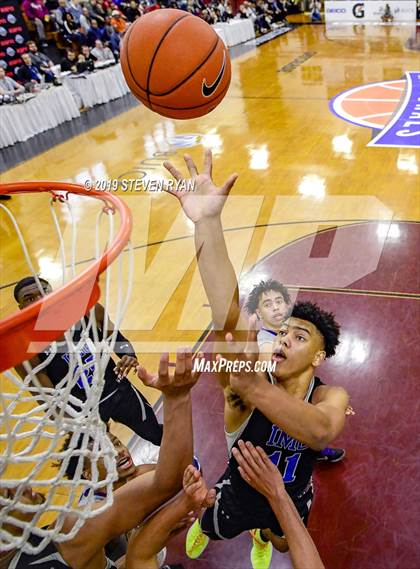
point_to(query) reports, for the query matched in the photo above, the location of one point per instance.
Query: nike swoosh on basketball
(208, 90)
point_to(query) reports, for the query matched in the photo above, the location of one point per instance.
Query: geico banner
(369, 11)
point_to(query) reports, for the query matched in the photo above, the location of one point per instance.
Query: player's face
(272, 309)
(30, 294)
(28, 497)
(298, 346)
(125, 464)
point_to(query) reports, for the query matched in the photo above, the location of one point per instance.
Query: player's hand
(125, 365)
(257, 469)
(175, 384)
(244, 380)
(205, 199)
(196, 490)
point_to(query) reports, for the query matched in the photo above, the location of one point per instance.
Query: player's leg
(171, 519)
(225, 520)
(274, 535)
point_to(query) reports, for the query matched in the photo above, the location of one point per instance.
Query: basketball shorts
(229, 517)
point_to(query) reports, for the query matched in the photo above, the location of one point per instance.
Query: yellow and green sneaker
(196, 541)
(261, 551)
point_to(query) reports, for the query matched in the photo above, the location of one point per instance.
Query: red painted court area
(365, 513)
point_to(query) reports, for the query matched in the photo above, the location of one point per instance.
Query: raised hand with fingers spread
(206, 199)
(180, 381)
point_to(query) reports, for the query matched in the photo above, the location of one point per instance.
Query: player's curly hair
(254, 296)
(71, 466)
(324, 322)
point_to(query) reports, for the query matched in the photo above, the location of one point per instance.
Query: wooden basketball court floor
(314, 207)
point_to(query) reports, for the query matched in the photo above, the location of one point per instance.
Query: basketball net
(35, 420)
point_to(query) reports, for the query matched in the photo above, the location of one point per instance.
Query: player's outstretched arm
(257, 469)
(176, 450)
(203, 205)
(141, 496)
(171, 519)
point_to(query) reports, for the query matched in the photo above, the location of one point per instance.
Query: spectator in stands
(69, 62)
(263, 20)
(102, 53)
(315, 10)
(152, 5)
(133, 11)
(84, 65)
(118, 21)
(28, 73)
(86, 52)
(9, 85)
(192, 8)
(37, 13)
(248, 11)
(115, 43)
(60, 14)
(242, 13)
(72, 30)
(85, 20)
(96, 33)
(277, 12)
(97, 12)
(43, 62)
(73, 8)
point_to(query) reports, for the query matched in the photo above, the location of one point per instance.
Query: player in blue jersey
(270, 301)
(291, 414)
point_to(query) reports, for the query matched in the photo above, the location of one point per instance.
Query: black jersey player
(120, 400)
(290, 414)
(133, 502)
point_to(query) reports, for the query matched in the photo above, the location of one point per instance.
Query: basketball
(175, 64)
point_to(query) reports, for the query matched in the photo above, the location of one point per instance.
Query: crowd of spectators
(88, 33)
